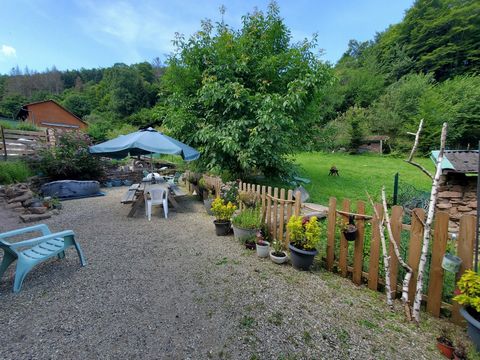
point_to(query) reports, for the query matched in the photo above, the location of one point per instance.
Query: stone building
(458, 184)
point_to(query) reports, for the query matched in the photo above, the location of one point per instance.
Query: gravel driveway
(171, 289)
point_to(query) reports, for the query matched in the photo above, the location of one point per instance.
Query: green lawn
(357, 174)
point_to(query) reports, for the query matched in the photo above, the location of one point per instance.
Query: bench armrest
(41, 227)
(41, 239)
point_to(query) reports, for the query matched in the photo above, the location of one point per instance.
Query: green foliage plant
(244, 97)
(277, 247)
(221, 210)
(14, 171)
(70, 159)
(26, 126)
(249, 218)
(304, 232)
(469, 286)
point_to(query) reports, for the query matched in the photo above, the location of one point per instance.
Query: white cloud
(132, 27)
(8, 51)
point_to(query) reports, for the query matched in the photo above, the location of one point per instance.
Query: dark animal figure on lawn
(333, 171)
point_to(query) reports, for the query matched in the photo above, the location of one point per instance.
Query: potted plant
(469, 297)
(304, 236)
(277, 255)
(222, 212)
(250, 242)
(262, 245)
(247, 223)
(460, 352)
(348, 229)
(445, 344)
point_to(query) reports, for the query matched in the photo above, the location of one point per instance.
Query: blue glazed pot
(108, 184)
(473, 329)
(301, 259)
(127, 182)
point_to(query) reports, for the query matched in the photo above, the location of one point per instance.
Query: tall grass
(13, 171)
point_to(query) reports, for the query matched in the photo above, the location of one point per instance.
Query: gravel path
(171, 289)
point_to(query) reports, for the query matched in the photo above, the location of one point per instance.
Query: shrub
(13, 171)
(25, 126)
(70, 159)
(304, 232)
(469, 286)
(222, 211)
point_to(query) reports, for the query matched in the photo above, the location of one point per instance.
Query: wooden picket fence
(17, 143)
(433, 296)
(277, 206)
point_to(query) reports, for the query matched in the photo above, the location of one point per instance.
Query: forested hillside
(224, 84)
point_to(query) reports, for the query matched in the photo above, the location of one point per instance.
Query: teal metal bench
(32, 252)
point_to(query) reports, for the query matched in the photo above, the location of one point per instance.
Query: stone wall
(458, 196)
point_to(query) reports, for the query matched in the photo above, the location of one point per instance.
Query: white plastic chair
(158, 196)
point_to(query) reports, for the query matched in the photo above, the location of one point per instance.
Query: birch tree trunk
(428, 225)
(386, 258)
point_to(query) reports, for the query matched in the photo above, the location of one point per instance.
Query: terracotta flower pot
(445, 349)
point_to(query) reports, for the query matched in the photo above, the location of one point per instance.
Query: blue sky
(71, 34)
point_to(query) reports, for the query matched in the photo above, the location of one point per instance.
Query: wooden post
(4, 144)
(298, 203)
(415, 249)
(264, 202)
(275, 212)
(435, 283)
(331, 223)
(358, 246)
(289, 215)
(466, 239)
(269, 209)
(282, 215)
(375, 250)
(396, 223)
(342, 259)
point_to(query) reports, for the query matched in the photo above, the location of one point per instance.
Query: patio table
(140, 189)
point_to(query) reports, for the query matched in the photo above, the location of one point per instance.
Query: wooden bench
(129, 196)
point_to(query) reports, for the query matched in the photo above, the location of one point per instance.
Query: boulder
(464, 208)
(25, 196)
(34, 217)
(38, 210)
(472, 204)
(13, 205)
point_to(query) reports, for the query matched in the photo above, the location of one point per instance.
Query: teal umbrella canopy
(144, 142)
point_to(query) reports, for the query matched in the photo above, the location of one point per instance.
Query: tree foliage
(241, 96)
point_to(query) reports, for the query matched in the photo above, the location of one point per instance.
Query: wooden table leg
(172, 201)
(136, 205)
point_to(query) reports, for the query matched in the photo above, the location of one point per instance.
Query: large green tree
(242, 96)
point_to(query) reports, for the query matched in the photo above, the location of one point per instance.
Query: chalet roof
(461, 161)
(23, 113)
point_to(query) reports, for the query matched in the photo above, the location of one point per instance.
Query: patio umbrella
(144, 142)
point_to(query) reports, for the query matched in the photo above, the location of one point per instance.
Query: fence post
(395, 189)
(466, 239)
(397, 215)
(4, 144)
(415, 249)
(281, 215)
(289, 215)
(375, 250)
(332, 217)
(342, 259)
(358, 246)
(439, 246)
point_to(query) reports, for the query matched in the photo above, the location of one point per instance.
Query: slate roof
(461, 161)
